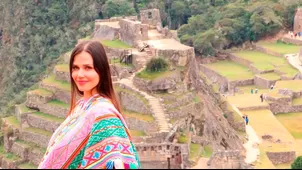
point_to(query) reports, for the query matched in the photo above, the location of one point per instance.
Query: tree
(113, 8)
(297, 164)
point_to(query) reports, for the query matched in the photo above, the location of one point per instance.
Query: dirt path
(294, 60)
(251, 147)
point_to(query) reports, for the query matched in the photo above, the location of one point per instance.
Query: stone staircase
(155, 103)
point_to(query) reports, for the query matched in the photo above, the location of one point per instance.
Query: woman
(94, 135)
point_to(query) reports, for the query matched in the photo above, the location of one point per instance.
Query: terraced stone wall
(262, 82)
(213, 75)
(267, 51)
(227, 160)
(292, 41)
(179, 57)
(163, 155)
(282, 108)
(105, 32)
(239, 60)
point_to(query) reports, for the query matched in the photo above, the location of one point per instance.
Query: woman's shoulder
(102, 106)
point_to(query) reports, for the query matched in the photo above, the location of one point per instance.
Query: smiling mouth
(82, 82)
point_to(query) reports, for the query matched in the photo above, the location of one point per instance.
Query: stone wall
(298, 21)
(179, 57)
(105, 32)
(54, 110)
(257, 71)
(132, 101)
(34, 100)
(267, 51)
(292, 40)
(281, 157)
(62, 75)
(239, 60)
(31, 136)
(141, 125)
(59, 94)
(227, 160)
(113, 19)
(37, 122)
(150, 17)
(159, 153)
(253, 107)
(233, 84)
(132, 31)
(283, 108)
(179, 112)
(262, 82)
(113, 52)
(213, 75)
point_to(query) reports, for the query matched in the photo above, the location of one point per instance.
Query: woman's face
(84, 74)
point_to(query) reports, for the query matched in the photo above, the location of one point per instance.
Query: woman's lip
(82, 82)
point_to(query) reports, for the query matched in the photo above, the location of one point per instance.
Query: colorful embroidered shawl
(95, 136)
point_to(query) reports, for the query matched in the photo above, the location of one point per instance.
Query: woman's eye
(75, 68)
(88, 68)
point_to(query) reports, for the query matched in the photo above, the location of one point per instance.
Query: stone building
(298, 21)
(150, 17)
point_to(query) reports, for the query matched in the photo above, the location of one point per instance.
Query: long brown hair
(101, 66)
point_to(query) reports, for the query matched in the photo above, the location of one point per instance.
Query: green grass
(115, 44)
(196, 99)
(280, 47)
(207, 151)
(297, 101)
(195, 152)
(270, 76)
(137, 133)
(39, 131)
(153, 75)
(59, 84)
(231, 70)
(25, 109)
(27, 165)
(264, 62)
(141, 98)
(183, 139)
(294, 85)
(292, 122)
(62, 67)
(12, 120)
(140, 116)
(49, 117)
(288, 70)
(58, 103)
(31, 145)
(42, 92)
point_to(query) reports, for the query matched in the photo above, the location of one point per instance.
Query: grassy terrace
(24, 109)
(31, 145)
(137, 133)
(42, 92)
(58, 103)
(271, 76)
(39, 131)
(12, 120)
(144, 117)
(27, 165)
(62, 67)
(115, 44)
(231, 70)
(264, 122)
(195, 152)
(152, 76)
(264, 62)
(51, 80)
(280, 47)
(294, 85)
(49, 117)
(141, 98)
(297, 101)
(292, 122)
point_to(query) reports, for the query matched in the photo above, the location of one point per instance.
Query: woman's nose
(81, 73)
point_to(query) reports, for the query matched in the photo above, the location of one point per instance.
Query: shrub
(157, 65)
(297, 164)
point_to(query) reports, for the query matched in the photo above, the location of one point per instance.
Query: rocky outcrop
(281, 157)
